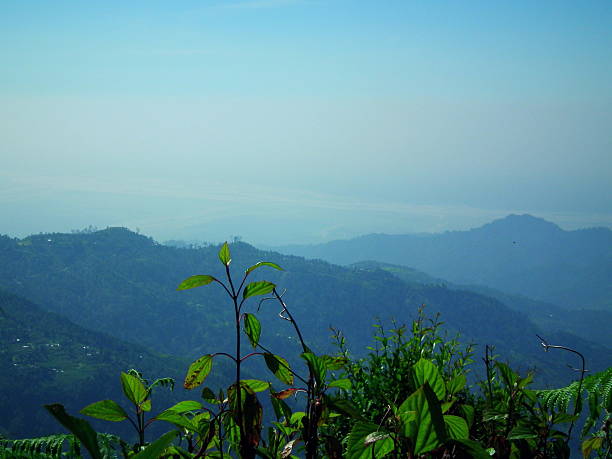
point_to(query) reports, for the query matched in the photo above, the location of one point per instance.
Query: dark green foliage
(46, 358)
(409, 396)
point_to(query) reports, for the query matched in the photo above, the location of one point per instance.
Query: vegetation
(410, 396)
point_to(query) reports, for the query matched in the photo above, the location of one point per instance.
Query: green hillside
(123, 284)
(589, 324)
(519, 254)
(45, 358)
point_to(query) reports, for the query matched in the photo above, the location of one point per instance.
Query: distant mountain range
(123, 285)
(519, 254)
(589, 324)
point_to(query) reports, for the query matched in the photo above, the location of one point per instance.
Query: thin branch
(582, 372)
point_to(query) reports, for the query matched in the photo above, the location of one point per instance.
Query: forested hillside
(45, 358)
(124, 285)
(519, 254)
(589, 324)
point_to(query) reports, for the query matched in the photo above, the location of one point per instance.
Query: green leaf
(468, 413)
(79, 427)
(177, 419)
(198, 371)
(297, 417)
(146, 405)
(425, 371)
(209, 396)
(155, 449)
(133, 388)
(263, 263)
(366, 441)
(508, 376)
(107, 410)
(560, 418)
(196, 281)
(474, 449)
(185, 406)
(281, 409)
(522, 432)
(343, 406)
(252, 328)
(344, 383)
(427, 430)
(279, 367)
(257, 288)
(255, 385)
(456, 384)
(224, 254)
(317, 367)
(456, 427)
(590, 445)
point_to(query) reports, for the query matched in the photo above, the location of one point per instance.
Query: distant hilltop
(520, 254)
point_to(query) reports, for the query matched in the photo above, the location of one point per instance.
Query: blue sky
(291, 121)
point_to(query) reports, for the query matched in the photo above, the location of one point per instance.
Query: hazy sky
(296, 121)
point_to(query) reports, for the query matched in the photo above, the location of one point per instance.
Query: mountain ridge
(519, 254)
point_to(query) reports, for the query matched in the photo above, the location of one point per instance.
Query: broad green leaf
(474, 449)
(447, 406)
(425, 371)
(209, 396)
(177, 419)
(317, 367)
(133, 388)
(155, 449)
(185, 406)
(560, 418)
(257, 288)
(279, 367)
(366, 441)
(146, 405)
(344, 383)
(107, 410)
(297, 417)
(522, 432)
(255, 385)
(333, 363)
(198, 371)
(252, 328)
(456, 384)
(456, 427)
(509, 377)
(196, 281)
(281, 409)
(590, 445)
(263, 263)
(224, 254)
(427, 431)
(343, 406)
(468, 414)
(79, 427)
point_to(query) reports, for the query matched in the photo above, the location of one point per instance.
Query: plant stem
(582, 372)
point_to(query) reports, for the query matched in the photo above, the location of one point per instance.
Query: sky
(292, 121)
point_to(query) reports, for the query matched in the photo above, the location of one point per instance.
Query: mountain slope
(44, 358)
(519, 254)
(123, 284)
(589, 324)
